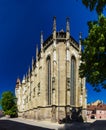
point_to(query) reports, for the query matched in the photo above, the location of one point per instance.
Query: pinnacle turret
(41, 40)
(36, 52)
(23, 81)
(67, 28)
(80, 38)
(54, 28)
(32, 63)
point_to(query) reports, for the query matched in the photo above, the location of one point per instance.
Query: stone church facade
(52, 86)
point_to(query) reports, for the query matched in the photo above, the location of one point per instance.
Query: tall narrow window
(73, 81)
(48, 80)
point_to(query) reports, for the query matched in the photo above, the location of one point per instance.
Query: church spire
(67, 28)
(29, 71)
(23, 80)
(54, 27)
(36, 52)
(54, 23)
(26, 77)
(18, 81)
(41, 39)
(67, 24)
(32, 63)
(80, 38)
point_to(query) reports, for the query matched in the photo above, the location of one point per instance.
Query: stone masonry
(53, 86)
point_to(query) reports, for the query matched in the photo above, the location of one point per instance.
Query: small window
(92, 117)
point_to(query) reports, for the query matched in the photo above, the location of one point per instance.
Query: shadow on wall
(74, 116)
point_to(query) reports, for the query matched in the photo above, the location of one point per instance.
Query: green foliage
(99, 5)
(93, 65)
(9, 104)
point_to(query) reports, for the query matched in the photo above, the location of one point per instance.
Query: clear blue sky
(20, 24)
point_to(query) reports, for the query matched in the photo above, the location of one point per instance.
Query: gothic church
(53, 86)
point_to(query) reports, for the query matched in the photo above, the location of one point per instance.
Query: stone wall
(32, 93)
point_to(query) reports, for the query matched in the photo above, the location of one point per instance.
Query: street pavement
(8, 124)
(12, 125)
(28, 124)
(98, 125)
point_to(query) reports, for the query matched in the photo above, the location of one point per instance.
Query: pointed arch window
(73, 81)
(48, 80)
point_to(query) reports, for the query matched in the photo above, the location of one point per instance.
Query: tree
(93, 65)
(8, 104)
(99, 5)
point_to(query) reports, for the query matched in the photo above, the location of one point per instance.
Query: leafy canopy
(99, 5)
(8, 103)
(93, 65)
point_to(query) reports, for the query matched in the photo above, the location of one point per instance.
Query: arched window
(73, 81)
(48, 80)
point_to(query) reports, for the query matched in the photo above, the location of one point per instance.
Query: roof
(60, 36)
(96, 102)
(100, 106)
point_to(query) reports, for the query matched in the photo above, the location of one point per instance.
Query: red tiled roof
(97, 107)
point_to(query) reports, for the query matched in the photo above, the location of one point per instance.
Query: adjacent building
(52, 86)
(96, 110)
(1, 113)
